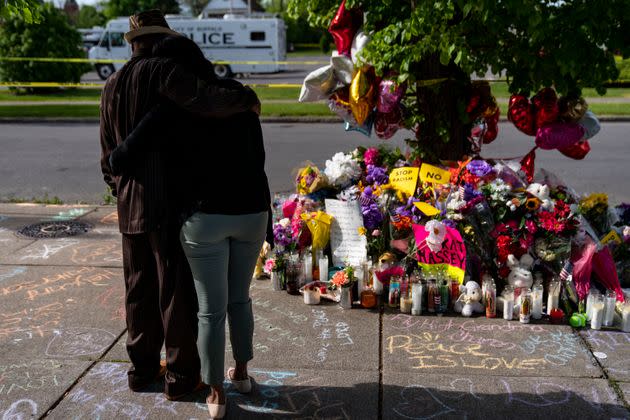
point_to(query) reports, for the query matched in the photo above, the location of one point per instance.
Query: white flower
(285, 223)
(437, 232)
(349, 194)
(626, 233)
(342, 169)
(455, 204)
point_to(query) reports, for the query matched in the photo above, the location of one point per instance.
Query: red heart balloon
(578, 151)
(492, 129)
(559, 135)
(387, 123)
(344, 27)
(546, 104)
(527, 165)
(521, 113)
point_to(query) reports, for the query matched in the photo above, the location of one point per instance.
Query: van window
(116, 39)
(257, 36)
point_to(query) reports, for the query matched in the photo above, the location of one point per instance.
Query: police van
(258, 41)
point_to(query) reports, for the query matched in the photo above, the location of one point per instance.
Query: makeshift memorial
(468, 302)
(342, 281)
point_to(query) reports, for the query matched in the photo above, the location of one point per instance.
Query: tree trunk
(442, 135)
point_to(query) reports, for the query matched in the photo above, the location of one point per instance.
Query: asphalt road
(63, 159)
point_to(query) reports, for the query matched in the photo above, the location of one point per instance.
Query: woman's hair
(187, 53)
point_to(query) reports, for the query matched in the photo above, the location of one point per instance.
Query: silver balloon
(359, 41)
(591, 125)
(319, 84)
(343, 68)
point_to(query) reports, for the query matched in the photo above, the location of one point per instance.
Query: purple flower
(449, 223)
(376, 175)
(283, 236)
(372, 216)
(479, 167)
(470, 192)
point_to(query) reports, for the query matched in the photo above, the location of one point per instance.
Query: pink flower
(376, 232)
(340, 278)
(371, 156)
(270, 264)
(531, 226)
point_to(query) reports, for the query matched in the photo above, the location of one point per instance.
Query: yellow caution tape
(100, 85)
(108, 61)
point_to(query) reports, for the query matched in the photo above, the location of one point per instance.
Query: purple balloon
(558, 135)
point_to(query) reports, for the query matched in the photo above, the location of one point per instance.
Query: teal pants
(222, 251)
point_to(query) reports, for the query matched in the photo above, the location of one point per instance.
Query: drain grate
(54, 229)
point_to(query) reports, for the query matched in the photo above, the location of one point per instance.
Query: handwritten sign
(430, 173)
(452, 256)
(404, 179)
(347, 244)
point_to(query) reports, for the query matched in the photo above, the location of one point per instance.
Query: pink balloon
(558, 135)
(389, 95)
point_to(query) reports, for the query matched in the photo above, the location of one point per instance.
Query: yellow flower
(532, 203)
(362, 230)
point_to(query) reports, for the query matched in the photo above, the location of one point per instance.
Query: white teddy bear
(541, 192)
(469, 301)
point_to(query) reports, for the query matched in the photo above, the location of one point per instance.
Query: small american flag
(566, 271)
(365, 201)
(395, 218)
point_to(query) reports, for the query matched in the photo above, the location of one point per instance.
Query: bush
(624, 70)
(53, 37)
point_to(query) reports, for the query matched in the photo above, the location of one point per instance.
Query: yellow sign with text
(427, 209)
(430, 173)
(404, 179)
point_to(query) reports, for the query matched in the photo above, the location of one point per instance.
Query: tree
(28, 9)
(196, 6)
(116, 8)
(434, 46)
(89, 17)
(54, 37)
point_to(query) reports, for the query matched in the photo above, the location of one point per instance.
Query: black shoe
(138, 383)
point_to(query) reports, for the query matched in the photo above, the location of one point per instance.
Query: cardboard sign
(452, 256)
(611, 236)
(404, 179)
(347, 244)
(430, 173)
(427, 209)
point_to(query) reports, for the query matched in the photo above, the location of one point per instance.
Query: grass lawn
(54, 95)
(87, 111)
(500, 90)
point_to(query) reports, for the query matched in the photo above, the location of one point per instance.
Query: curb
(265, 120)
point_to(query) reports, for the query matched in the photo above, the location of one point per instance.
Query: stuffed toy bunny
(541, 192)
(469, 301)
(519, 278)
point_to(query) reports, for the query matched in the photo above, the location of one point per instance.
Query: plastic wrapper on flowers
(319, 225)
(309, 179)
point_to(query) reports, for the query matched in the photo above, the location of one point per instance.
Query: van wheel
(222, 71)
(104, 70)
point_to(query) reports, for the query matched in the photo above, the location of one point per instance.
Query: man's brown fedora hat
(146, 23)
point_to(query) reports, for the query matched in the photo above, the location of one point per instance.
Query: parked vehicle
(231, 39)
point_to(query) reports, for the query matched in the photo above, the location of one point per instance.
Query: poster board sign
(347, 244)
(404, 179)
(452, 256)
(430, 173)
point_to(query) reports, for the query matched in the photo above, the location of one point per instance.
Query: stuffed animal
(520, 278)
(260, 262)
(541, 192)
(469, 301)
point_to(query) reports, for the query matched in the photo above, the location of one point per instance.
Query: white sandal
(243, 386)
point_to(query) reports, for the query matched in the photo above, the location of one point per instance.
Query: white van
(233, 38)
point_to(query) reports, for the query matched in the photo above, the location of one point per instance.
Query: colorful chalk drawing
(507, 395)
(99, 252)
(32, 322)
(110, 219)
(26, 377)
(62, 282)
(81, 341)
(20, 410)
(8, 273)
(70, 214)
(47, 250)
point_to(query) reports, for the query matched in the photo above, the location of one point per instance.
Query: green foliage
(537, 43)
(196, 6)
(89, 17)
(54, 37)
(116, 8)
(28, 9)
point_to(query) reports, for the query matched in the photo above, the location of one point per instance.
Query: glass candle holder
(597, 312)
(609, 314)
(416, 298)
(491, 300)
(526, 307)
(508, 303)
(553, 298)
(323, 269)
(625, 317)
(589, 302)
(537, 301)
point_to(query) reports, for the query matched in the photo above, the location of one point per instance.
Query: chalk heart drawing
(74, 342)
(20, 410)
(88, 253)
(420, 402)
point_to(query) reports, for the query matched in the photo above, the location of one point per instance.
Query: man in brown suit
(160, 300)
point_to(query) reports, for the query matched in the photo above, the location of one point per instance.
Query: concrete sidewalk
(62, 352)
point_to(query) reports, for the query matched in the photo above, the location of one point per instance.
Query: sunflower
(532, 203)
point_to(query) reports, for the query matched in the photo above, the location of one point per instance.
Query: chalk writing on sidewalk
(110, 219)
(29, 323)
(20, 409)
(80, 341)
(65, 281)
(25, 377)
(100, 252)
(10, 272)
(47, 250)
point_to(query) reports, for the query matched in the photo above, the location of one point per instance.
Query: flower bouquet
(342, 282)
